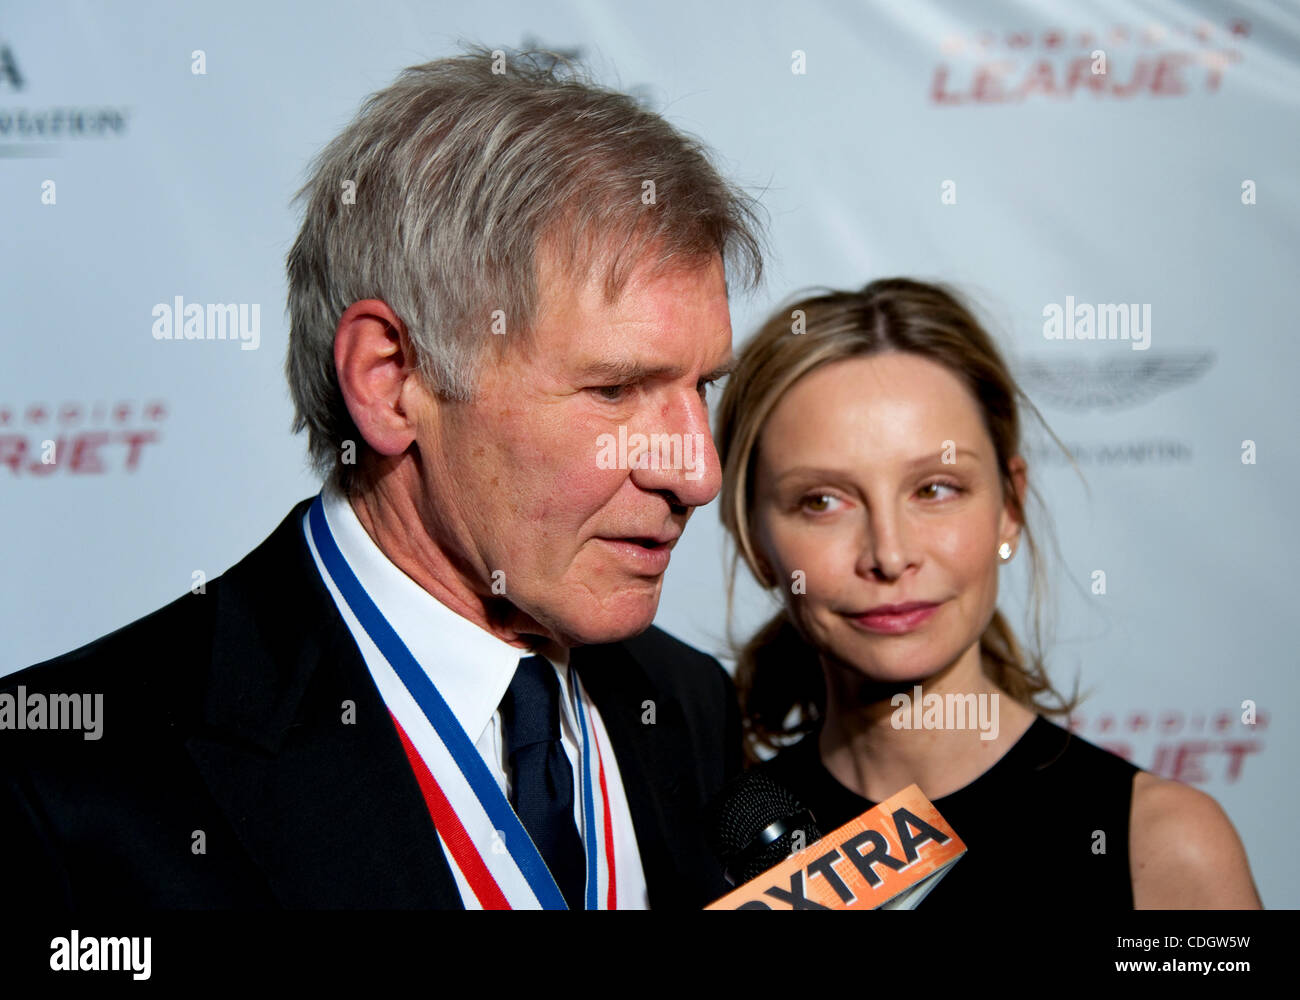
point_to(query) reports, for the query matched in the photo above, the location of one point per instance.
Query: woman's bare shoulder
(1183, 850)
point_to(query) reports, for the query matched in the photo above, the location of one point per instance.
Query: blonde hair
(778, 670)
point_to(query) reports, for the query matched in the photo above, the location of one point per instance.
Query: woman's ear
(1013, 505)
(760, 566)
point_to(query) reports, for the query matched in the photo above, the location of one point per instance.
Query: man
(437, 684)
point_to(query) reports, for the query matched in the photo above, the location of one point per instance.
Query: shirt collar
(470, 667)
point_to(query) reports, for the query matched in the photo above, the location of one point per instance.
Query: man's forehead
(664, 322)
(591, 280)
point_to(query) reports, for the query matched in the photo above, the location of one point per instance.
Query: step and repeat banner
(1113, 184)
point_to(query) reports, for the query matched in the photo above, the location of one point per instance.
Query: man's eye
(610, 393)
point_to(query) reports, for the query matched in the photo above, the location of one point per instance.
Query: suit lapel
(299, 750)
(651, 763)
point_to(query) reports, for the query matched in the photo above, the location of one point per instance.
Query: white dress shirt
(471, 669)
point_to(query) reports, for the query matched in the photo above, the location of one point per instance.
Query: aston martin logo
(1117, 382)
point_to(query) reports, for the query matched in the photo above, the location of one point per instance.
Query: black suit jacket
(226, 777)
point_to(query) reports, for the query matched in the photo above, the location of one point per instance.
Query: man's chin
(606, 627)
(604, 636)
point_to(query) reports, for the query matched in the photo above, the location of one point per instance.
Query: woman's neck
(878, 739)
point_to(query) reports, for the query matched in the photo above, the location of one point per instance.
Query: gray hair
(459, 173)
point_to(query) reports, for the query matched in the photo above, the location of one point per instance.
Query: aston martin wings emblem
(1111, 383)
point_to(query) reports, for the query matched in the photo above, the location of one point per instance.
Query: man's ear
(374, 359)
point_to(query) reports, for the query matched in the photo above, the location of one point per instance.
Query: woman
(870, 443)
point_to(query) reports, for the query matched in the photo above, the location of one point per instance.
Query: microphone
(889, 858)
(754, 824)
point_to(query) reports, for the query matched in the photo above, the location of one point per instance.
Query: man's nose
(680, 458)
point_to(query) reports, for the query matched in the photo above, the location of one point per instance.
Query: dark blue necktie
(542, 778)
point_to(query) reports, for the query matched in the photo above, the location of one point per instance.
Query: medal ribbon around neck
(469, 797)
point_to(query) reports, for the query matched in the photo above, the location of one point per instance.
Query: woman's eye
(932, 491)
(816, 503)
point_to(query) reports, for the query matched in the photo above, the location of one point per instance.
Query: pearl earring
(1004, 551)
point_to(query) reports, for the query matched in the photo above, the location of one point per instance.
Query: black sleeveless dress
(1029, 823)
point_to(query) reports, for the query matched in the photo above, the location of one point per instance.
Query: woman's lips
(895, 619)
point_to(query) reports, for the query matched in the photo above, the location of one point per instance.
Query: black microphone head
(755, 823)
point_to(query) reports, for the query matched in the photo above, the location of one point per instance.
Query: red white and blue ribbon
(487, 846)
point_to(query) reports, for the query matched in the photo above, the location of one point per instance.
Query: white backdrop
(963, 142)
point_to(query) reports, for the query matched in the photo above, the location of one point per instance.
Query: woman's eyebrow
(811, 471)
(961, 455)
(959, 452)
